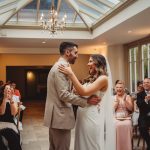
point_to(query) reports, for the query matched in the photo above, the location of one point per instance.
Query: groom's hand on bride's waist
(93, 100)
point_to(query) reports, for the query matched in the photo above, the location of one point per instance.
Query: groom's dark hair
(66, 45)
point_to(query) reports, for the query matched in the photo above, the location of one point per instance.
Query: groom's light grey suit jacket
(58, 110)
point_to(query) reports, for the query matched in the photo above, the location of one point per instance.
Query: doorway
(30, 80)
(36, 83)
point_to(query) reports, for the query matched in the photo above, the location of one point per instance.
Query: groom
(59, 116)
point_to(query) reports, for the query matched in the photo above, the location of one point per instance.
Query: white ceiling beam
(88, 19)
(58, 6)
(52, 2)
(76, 8)
(92, 6)
(9, 14)
(88, 13)
(75, 17)
(38, 10)
(17, 16)
(107, 3)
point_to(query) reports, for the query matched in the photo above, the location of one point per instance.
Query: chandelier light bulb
(52, 23)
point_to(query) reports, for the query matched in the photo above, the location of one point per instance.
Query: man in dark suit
(143, 102)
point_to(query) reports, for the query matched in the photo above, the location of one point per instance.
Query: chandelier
(51, 22)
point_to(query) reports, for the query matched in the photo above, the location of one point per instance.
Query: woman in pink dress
(123, 108)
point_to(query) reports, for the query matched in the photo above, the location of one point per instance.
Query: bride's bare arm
(99, 84)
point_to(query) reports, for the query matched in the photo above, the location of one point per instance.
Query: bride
(95, 129)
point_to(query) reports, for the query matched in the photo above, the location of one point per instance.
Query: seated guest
(17, 95)
(143, 102)
(8, 109)
(123, 108)
(16, 91)
(21, 107)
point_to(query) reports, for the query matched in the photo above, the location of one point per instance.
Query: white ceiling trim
(38, 34)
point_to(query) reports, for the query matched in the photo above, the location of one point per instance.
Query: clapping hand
(8, 94)
(147, 98)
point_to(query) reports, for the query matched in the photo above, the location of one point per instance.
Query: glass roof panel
(114, 1)
(44, 4)
(95, 10)
(32, 5)
(100, 5)
(89, 10)
(66, 8)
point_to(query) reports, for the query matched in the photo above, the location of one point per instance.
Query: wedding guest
(123, 108)
(8, 108)
(8, 128)
(16, 91)
(143, 102)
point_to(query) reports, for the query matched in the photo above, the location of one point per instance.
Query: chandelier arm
(51, 22)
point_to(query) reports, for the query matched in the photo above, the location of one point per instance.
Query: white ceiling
(130, 30)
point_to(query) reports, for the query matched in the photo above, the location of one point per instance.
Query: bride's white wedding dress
(88, 127)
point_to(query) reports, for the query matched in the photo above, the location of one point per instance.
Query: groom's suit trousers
(60, 139)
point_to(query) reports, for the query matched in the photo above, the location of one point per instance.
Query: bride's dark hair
(100, 63)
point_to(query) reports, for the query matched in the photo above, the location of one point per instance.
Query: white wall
(115, 56)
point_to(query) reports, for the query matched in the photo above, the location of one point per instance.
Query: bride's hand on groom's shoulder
(65, 69)
(93, 100)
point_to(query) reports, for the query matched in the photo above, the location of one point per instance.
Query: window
(145, 60)
(139, 64)
(133, 62)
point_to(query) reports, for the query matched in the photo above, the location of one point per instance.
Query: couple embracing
(95, 128)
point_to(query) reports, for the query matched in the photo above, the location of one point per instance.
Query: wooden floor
(34, 134)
